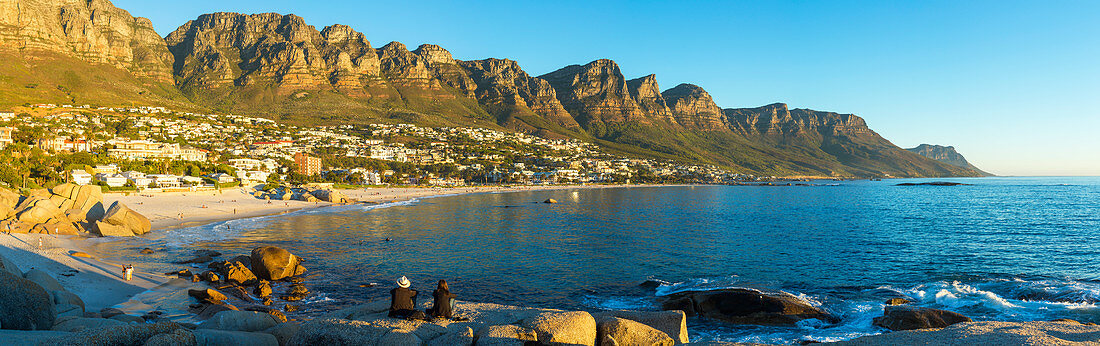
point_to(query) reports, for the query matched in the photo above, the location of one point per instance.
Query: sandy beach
(186, 209)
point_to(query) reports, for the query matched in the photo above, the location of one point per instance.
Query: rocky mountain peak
(595, 93)
(339, 34)
(94, 31)
(434, 54)
(693, 107)
(647, 94)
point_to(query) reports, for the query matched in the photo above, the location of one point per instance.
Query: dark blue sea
(1010, 249)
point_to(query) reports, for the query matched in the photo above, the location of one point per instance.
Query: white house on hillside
(80, 177)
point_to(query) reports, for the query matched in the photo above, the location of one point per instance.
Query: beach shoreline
(100, 284)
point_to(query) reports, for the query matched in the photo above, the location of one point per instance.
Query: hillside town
(143, 148)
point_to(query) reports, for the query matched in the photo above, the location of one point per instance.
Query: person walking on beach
(403, 301)
(444, 301)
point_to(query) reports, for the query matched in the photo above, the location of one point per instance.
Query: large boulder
(745, 306)
(43, 279)
(178, 337)
(332, 196)
(273, 263)
(337, 332)
(37, 210)
(80, 323)
(126, 334)
(29, 338)
(236, 338)
(24, 304)
(8, 201)
(235, 272)
(505, 335)
(104, 229)
(905, 317)
(66, 297)
(120, 215)
(9, 266)
(672, 322)
(627, 332)
(244, 321)
(563, 328)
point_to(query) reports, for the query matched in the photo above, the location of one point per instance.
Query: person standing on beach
(403, 300)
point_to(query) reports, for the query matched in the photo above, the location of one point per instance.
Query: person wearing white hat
(403, 300)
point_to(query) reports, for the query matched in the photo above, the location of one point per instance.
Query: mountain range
(278, 66)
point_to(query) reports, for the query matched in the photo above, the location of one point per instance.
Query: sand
(98, 283)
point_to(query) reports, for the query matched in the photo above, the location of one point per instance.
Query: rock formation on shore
(68, 209)
(745, 306)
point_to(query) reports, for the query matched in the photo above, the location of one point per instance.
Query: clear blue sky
(1014, 86)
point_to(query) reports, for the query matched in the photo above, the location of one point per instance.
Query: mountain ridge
(279, 66)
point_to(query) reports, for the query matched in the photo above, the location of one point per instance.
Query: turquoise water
(999, 249)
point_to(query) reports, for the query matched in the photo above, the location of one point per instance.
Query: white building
(165, 180)
(142, 149)
(222, 178)
(80, 177)
(112, 180)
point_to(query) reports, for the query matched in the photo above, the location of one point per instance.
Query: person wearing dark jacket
(403, 300)
(444, 301)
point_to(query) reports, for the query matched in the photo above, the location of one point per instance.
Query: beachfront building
(80, 177)
(165, 180)
(60, 144)
(5, 136)
(265, 165)
(138, 178)
(256, 176)
(112, 180)
(143, 150)
(106, 169)
(222, 178)
(5, 116)
(307, 165)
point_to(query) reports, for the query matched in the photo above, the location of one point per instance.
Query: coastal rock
(897, 301)
(43, 279)
(120, 215)
(126, 334)
(209, 294)
(236, 338)
(273, 263)
(66, 297)
(128, 318)
(81, 323)
(245, 321)
(550, 201)
(9, 266)
(337, 332)
(673, 322)
(745, 306)
(235, 272)
(262, 290)
(104, 229)
(178, 337)
(24, 304)
(505, 335)
(110, 312)
(456, 335)
(31, 338)
(68, 310)
(147, 251)
(207, 310)
(627, 332)
(284, 331)
(904, 317)
(37, 210)
(563, 328)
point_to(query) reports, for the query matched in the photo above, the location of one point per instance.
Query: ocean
(1008, 249)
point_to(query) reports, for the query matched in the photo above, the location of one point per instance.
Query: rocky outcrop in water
(905, 317)
(744, 306)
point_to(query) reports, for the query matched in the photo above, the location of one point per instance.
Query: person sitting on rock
(444, 303)
(403, 301)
